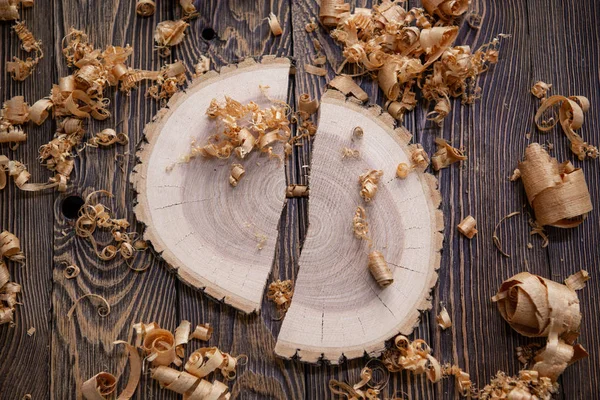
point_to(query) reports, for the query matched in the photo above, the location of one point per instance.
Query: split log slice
(338, 310)
(209, 231)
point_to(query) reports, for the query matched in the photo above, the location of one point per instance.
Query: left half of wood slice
(219, 238)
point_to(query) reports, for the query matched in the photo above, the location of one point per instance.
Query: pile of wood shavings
(95, 216)
(281, 292)
(161, 349)
(10, 249)
(403, 49)
(19, 69)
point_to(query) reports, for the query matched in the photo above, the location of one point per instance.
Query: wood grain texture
(556, 41)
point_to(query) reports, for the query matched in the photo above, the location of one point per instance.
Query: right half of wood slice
(338, 309)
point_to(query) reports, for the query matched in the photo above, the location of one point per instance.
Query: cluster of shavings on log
(10, 249)
(163, 349)
(9, 9)
(96, 216)
(281, 293)
(538, 307)
(405, 49)
(19, 69)
(571, 116)
(241, 128)
(558, 193)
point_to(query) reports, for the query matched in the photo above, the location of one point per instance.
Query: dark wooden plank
(242, 31)
(82, 346)
(25, 360)
(566, 55)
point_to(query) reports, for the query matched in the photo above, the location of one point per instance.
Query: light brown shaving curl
(446, 155)
(168, 34)
(145, 8)
(540, 89)
(468, 227)
(368, 182)
(281, 293)
(10, 249)
(274, 25)
(379, 269)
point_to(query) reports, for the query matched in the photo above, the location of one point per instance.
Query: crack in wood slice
(338, 309)
(203, 227)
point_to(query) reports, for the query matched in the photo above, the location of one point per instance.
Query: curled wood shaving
(108, 137)
(368, 183)
(145, 8)
(350, 153)
(314, 70)
(307, 105)
(167, 81)
(331, 11)
(446, 9)
(189, 9)
(528, 385)
(20, 70)
(168, 34)
(540, 89)
(187, 384)
(526, 353)
(297, 191)
(31, 331)
(104, 384)
(10, 248)
(379, 269)
(202, 67)
(495, 237)
(15, 111)
(202, 332)
(558, 193)
(281, 292)
(360, 226)
(71, 271)
(357, 133)
(274, 25)
(18, 172)
(446, 155)
(28, 42)
(237, 172)
(346, 85)
(474, 20)
(418, 156)
(103, 310)
(403, 170)
(537, 229)
(159, 346)
(467, 227)
(443, 319)
(311, 26)
(516, 175)
(577, 280)
(571, 111)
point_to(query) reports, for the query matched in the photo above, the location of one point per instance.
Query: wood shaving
(103, 309)
(189, 9)
(202, 332)
(10, 249)
(540, 89)
(468, 227)
(413, 356)
(516, 175)
(331, 11)
(9, 10)
(311, 26)
(297, 191)
(15, 111)
(346, 85)
(202, 67)
(528, 385)
(28, 42)
(187, 384)
(307, 105)
(446, 9)
(403, 170)
(571, 117)
(495, 237)
(446, 155)
(314, 70)
(274, 25)
(537, 229)
(538, 307)
(31, 331)
(360, 226)
(474, 20)
(237, 172)
(281, 292)
(397, 109)
(168, 82)
(96, 216)
(71, 271)
(21, 69)
(558, 193)
(578, 280)
(350, 153)
(20, 175)
(145, 8)
(443, 319)
(108, 137)
(357, 133)
(368, 183)
(379, 269)
(168, 34)
(526, 353)
(104, 384)
(418, 156)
